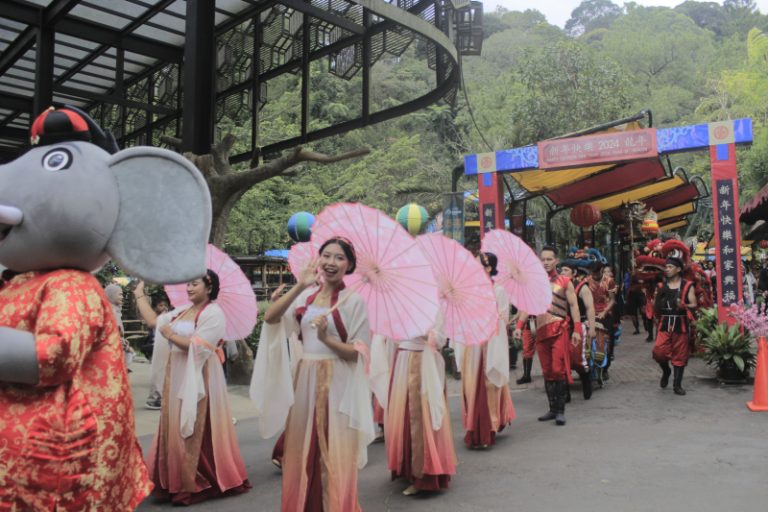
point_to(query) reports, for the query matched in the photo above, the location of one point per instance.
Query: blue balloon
(300, 226)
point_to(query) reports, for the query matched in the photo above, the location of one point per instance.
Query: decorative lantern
(585, 215)
(413, 218)
(300, 226)
(650, 225)
(763, 244)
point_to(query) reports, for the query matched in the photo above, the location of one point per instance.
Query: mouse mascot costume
(67, 433)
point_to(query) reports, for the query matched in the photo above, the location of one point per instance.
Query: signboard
(729, 247)
(491, 199)
(453, 216)
(725, 211)
(597, 149)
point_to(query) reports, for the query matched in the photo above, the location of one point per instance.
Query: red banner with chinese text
(603, 148)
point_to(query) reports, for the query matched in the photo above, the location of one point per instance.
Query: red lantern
(763, 244)
(585, 215)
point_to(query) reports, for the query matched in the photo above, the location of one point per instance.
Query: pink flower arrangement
(754, 318)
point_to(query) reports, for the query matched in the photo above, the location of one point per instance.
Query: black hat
(69, 124)
(676, 262)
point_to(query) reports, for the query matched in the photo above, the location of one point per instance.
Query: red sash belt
(551, 330)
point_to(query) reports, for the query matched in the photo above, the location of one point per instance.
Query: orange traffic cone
(760, 397)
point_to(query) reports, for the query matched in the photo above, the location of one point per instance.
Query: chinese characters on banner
(453, 216)
(594, 149)
(729, 252)
(725, 211)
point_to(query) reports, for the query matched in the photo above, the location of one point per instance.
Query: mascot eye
(57, 160)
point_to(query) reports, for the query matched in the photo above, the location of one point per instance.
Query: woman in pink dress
(419, 439)
(328, 406)
(195, 455)
(487, 404)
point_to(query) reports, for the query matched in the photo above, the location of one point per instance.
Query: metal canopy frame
(131, 66)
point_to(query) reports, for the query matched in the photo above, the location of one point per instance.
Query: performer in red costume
(673, 305)
(552, 337)
(571, 269)
(648, 273)
(603, 300)
(67, 432)
(529, 350)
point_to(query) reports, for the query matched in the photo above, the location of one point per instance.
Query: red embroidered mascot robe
(68, 443)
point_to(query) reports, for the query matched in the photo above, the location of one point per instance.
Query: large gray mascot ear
(164, 221)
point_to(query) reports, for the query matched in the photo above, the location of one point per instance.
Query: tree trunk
(227, 186)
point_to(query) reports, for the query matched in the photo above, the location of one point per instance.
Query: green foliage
(707, 15)
(722, 344)
(699, 62)
(566, 87)
(667, 56)
(591, 15)
(705, 323)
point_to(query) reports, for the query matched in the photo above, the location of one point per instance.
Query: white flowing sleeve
(497, 365)
(271, 389)
(356, 402)
(209, 330)
(433, 378)
(380, 369)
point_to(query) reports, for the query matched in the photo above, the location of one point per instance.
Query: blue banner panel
(730, 257)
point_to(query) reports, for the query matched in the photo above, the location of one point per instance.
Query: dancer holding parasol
(487, 404)
(330, 421)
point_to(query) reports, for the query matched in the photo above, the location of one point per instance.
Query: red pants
(529, 344)
(552, 342)
(672, 346)
(578, 352)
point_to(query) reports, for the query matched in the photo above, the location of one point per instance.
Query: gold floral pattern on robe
(69, 442)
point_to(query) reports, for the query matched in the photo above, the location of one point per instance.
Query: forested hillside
(698, 62)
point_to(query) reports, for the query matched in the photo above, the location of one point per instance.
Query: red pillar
(725, 206)
(491, 195)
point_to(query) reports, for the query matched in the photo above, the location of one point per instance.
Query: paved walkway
(632, 448)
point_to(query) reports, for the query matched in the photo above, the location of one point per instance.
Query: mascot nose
(10, 216)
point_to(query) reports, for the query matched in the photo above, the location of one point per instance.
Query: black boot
(586, 384)
(666, 371)
(512, 356)
(649, 328)
(677, 385)
(549, 387)
(561, 386)
(636, 324)
(526, 378)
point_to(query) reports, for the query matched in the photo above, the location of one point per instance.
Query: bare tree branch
(227, 187)
(279, 166)
(220, 153)
(174, 142)
(305, 155)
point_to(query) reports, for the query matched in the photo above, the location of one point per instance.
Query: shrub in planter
(729, 350)
(706, 321)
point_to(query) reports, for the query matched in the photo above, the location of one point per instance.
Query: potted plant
(729, 350)
(706, 321)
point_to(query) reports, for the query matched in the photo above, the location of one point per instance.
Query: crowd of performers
(326, 429)
(67, 436)
(318, 363)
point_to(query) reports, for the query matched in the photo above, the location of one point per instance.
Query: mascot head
(74, 201)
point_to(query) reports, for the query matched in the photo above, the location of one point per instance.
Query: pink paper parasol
(467, 300)
(236, 297)
(299, 257)
(520, 272)
(392, 276)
